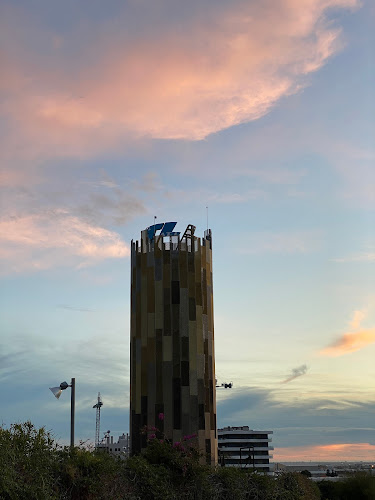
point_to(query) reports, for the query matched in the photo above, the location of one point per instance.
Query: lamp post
(249, 448)
(56, 391)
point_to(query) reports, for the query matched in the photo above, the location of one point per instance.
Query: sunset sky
(115, 112)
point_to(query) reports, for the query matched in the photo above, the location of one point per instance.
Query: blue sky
(261, 111)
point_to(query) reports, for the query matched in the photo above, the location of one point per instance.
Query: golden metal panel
(200, 366)
(167, 348)
(198, 261)
(200, 332)
(183, 266)
(193, 383)
(151, 325)
(137, 393)
(150, 290)
(193, 345)
(143, 313)
(207, 423)
(177, 435)
(159, 307)
(144, 372)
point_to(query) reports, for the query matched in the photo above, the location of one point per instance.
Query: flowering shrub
(34, 467)
(156, 435)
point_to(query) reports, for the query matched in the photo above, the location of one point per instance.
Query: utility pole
(72, 410)
(56, 391)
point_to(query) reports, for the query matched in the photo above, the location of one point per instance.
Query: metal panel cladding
(172, 358)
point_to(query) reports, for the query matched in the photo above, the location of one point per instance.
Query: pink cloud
(351, 341)
(329, 452)
(183, 84)
(358, 316)
(56, 239)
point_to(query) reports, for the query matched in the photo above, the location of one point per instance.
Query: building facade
(119, 448)
(172, 359)
(243, 447)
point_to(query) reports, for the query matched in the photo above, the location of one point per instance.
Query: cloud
(72, 308)
(282, 242)
(242, 399)
(316, 419)
(115, 208)
(329, 452)
(351, 341)
(296, 372)
(30, 363)
(357, 186)
(99, 200)
(12, 362)
(222, 67)
(214, 196)
(55, 238)
(55, 222)
(110, 202)
(358, 316)
(360, 257)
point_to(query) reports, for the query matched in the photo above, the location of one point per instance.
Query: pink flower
(152, 436)
(179, 446)
(161, 416)
(188, 437)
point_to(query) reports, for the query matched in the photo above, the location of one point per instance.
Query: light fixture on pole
(56, 391)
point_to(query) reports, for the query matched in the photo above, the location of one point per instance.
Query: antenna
(207, 216)
(98, 405)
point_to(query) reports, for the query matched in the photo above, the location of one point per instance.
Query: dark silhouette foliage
(359, 486)
(34, 467)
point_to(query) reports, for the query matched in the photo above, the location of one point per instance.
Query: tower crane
(98, 405)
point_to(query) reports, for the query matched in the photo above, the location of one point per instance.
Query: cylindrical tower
(172, 359)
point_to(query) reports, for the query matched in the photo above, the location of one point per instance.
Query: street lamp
(56, 391)
(247, 448)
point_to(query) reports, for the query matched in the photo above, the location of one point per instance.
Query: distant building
(331, 471)
(315, 470)
(120, 448)
(245, 448)
(172, 356)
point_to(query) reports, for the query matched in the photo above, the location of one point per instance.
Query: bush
(359, 486)
(27, 462)
(296, 486)
(34, 467)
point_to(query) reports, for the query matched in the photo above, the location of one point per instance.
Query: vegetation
(359, 486)
(33, 466)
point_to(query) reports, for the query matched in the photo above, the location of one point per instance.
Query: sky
(114, 112)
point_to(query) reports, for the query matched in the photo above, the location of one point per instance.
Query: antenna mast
(98, 405)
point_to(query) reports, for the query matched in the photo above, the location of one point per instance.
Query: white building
(119, 448)
(243, 447)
